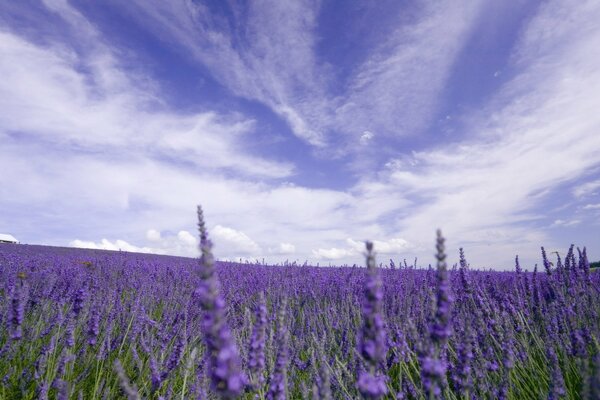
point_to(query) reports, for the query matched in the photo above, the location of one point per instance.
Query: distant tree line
(595, 264)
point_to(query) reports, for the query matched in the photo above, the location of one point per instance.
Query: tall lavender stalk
(372, 344)
(433, 362)
(256, 356)
(18, 307)
(278, 384)
(227, 378)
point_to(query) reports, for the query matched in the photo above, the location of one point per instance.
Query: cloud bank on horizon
(302, 127)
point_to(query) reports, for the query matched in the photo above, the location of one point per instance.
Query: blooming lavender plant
(433, 363)
(18, 307)
(256, 355)
(227, 379)
(372, 344)
(278, 382)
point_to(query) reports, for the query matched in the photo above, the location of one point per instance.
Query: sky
(303, 128)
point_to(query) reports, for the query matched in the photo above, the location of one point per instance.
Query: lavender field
(96, 324)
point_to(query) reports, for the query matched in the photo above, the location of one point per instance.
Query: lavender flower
(547, 265)
(18, 307)
(461, 374)
(175, 358)
(440, 329)
(79, 301)
(433, 363)
(372, 343)
(256, 356)
(93, 326)
(278, 383)
(155, 375)
(557, 383)
(227, 379)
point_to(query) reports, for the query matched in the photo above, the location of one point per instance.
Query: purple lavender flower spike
(227, 378)
(372, 343)
(462, 378)
(79, 301)
(547, 266)
(518, 268)
(18, 307)
(557, 384)
(441, 330)
(433, 363)
(278, 384)
(256, 356)
(93, 326)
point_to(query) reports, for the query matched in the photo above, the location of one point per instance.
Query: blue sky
(302, 127)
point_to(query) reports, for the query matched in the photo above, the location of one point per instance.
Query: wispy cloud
(538, 132)
(87, 101)
(267, 53)
(396, 91)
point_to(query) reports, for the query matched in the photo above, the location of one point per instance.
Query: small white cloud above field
(153, 235)
(283, 249)
(333, 253)
(117, 245)
(391, 246)
(187, 238)
(592, 207)
(355, 249)
(231, 242)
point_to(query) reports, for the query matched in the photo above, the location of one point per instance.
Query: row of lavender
(95, 324)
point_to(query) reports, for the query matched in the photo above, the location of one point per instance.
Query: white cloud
(187, 238)
(562, 222)
(366, 137)
(333, 253)
(46, 94)
(283, 249)
(153, 235)
(391, 246)
(117, 245)
(401, 81)
(269, 55)
(586, 189)
(231, 241)
(592, 207)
